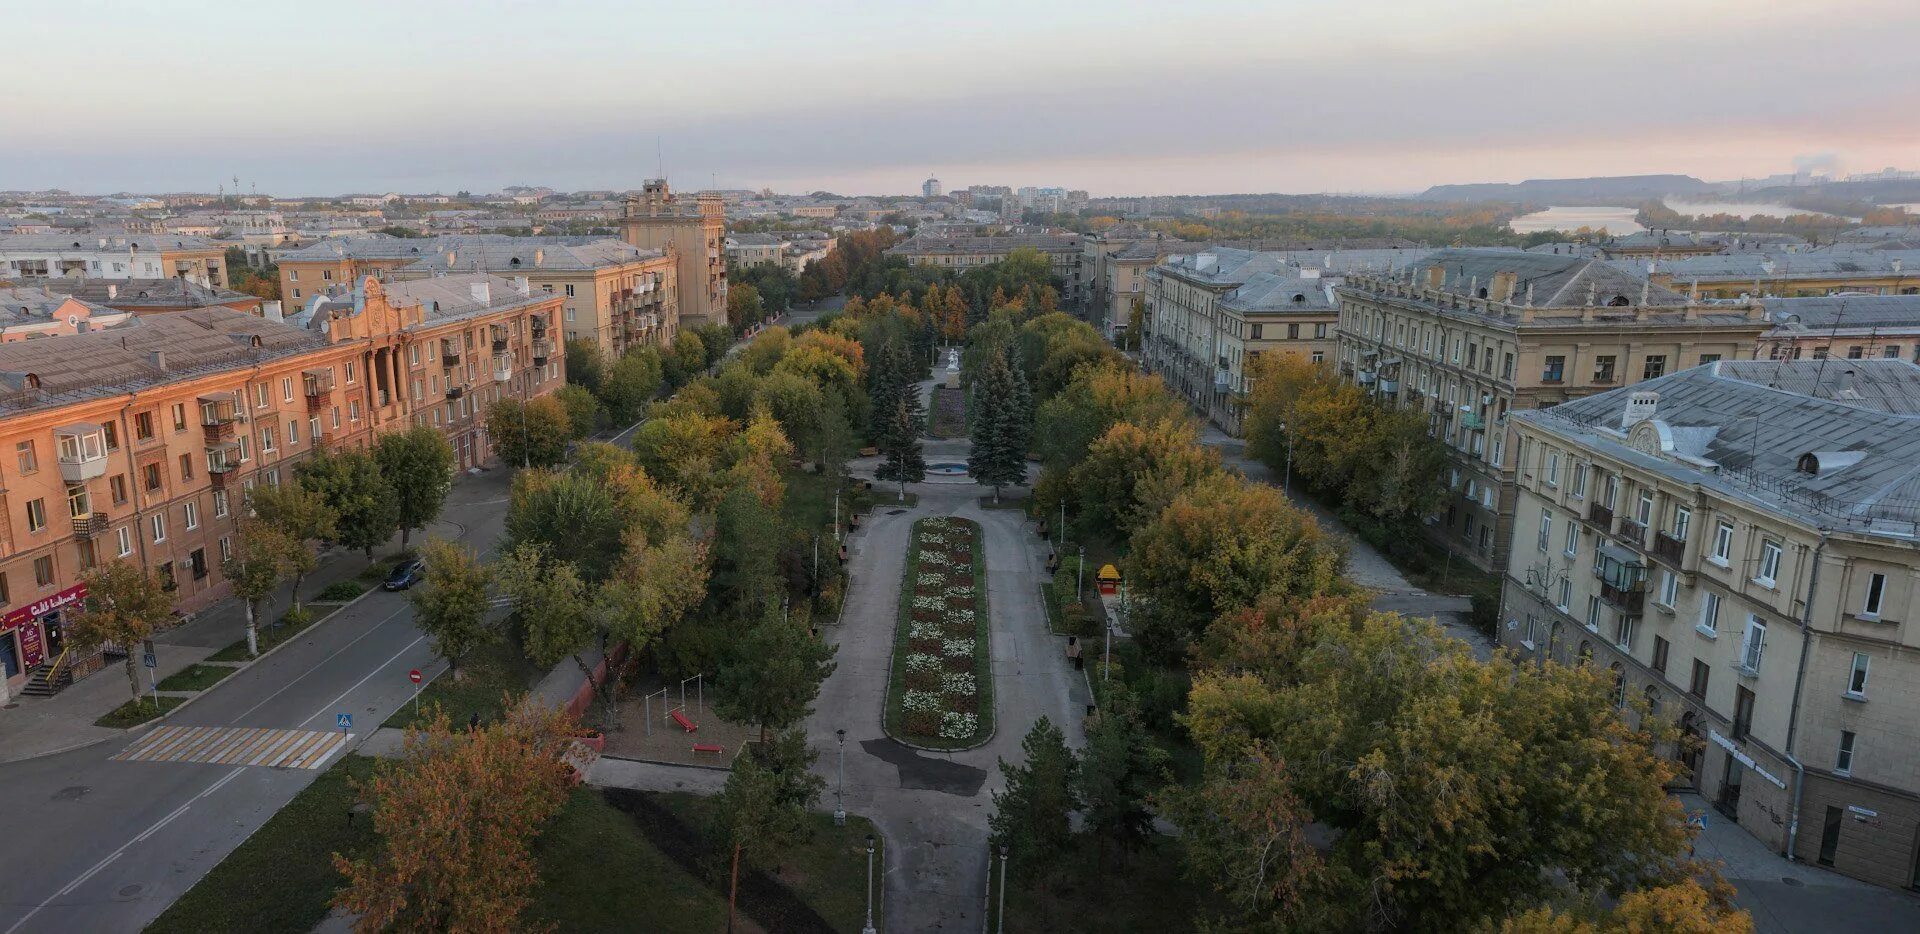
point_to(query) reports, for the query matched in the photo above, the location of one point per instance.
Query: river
(1617, 221)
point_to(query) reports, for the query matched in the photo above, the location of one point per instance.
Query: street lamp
(1001, 924)
(839, 793)
(869, 927)
(1286, 479)
(1080, 576)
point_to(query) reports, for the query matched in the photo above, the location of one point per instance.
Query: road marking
(333, 705)
(234, 745)
(283, 689)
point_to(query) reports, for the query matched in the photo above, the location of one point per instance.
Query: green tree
(1244, 831)
(586, 364)
(551, 607)
(686, 449)
(125, 604)
(534, 433)
(1001, 406)
(1097, 398)
(762, 810)
(744, 305)
(568, 517)
(452, 607)
(1032, 816)
(1133, 472)
(745, 568)
(418, 465)
(1684, 907)
(773, 675)
(583, 410)
(631, 383)
(1119, 770)
(888, 382)
(365, 510)
(258, 562)
(686, 359)
(303, 516)
(900, 444)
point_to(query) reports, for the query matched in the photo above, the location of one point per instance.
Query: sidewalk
(42, 726)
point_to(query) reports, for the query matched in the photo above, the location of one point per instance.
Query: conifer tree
(900, 443)
(1002, 424)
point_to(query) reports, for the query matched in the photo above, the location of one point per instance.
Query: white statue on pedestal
(953, 368)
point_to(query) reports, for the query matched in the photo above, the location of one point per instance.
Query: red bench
(706, 747)
(685, 724)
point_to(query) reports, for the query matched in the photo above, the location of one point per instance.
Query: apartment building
(1736, 543)
(613, 293)
(1843, 327)
(31, 314)
(696, 239)
(961, 252)
(1471, 335)
(98, 256)
(139, 443)
(1785, 274)
(1115, 264)
(148, 296)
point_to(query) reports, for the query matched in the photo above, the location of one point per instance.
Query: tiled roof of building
(68, 369)
(1271, 293)
(1554, 281)
(1827, 312)
(493, 252)
(140, 293)
(26, 305)
(92, 243)
(1833, 443)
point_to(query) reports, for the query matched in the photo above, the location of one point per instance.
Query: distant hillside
(1625, 189)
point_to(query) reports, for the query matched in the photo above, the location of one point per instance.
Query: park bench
(707, 747)
(685, 724)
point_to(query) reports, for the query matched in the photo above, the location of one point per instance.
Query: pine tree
(886, 385)
(900, 443)
(1002, 424)
(1032, 816)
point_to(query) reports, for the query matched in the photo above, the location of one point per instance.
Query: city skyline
(1293, 97)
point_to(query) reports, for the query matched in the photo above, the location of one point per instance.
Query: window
(5, 597)
(226, 549)
(1553, 468)
(186, 467)
(261, 395)
(29, 460)
(1293, 332)
(1623, 633)
(117, 485)
(1555, 370)
(1854, 352)
(1566, 593)
(143, 426)
(191, 510)
(1722, 543)
(1707, 358)
(179, 416)
(1754, 645)
(293, 432)
(43, 570)
(159, 528)
(1609, 491)
(1546, 528)
(1769, 564)
(1603, 369)
(1660, 647)
(1319, 331)
(124, 535)
(79, 504)
(353, 370)
(286, 389)
(1656, 366)
(219, 504)
(1857, 678)
(1709, 624)
(1682, 522)
(112, 430)
(1698, 685)
(1573, 539)
(1593, 613)
(1843, 763)
(1891, 352)
(1669, 588)
(1533, 630)
(1742, 712)
(1579, 486)
(36, 515)
(1506, 366)
(1643, 511)
(569, 290)
(150, 477)
(267, 439)
(198, 560)
(1876, 594)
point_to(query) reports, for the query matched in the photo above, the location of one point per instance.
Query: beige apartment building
(139, 443)
(695, 239)
(1472, 335)
(97, 256)
(613, 293)
(1843, 327)
(1785, 274)
(960, 253)
(1115, 264)
(1737, 544)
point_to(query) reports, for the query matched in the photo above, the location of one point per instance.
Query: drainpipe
(1799, 682)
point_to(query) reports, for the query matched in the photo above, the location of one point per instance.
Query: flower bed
(941, 693)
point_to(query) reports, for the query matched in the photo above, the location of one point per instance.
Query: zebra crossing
(238, 745)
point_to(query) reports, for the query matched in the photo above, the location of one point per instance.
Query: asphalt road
(104, 845)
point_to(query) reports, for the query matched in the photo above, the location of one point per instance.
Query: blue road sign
(345, 721)
(149, 660)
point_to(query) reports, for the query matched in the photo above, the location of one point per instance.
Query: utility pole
(1080, 577)
(839, 791)
(868, 929)
(1000, 925)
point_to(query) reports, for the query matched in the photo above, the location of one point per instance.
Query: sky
(1113, 96)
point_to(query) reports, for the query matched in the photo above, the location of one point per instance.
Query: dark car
(406, 574)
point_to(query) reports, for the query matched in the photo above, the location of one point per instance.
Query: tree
(763, 808)
(534, 433)
(568, 517)
(302, 515)
(583, 409)
(744, 305)
(365, 512)
(418, 465)
(657, 580)
(900, 444)
(686, 449)
(1219, 546)
(1244, 831)
(1001, 407)
(1119, 770)
(686, 358)
(773, 675)
(125, 604)
(1133, 472)
(452, 607)
(586, 364)
(631, 383)
(953, 315)
(551, 607)
(456, 819)
(1684, 907)
(1094, 400)
(259, 560)
(1031, 817)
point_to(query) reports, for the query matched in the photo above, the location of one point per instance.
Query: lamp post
(869, 927)
(839, 793)
(1001, 924)
(1080, 576)
(1286, 479)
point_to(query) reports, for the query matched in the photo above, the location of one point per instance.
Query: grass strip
(136, 712)
(196, 677)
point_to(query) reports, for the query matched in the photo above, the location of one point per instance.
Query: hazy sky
(1114, 96)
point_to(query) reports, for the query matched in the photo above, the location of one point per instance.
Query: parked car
(406, 574)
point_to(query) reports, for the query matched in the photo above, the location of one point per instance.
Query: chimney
(273, 311)
(1640, 407)
(113, 291)
(1436, 276)
(481, 293)
(103, 243)
(158, 359)
(1504, 283)
(539, 256)
(521, 286)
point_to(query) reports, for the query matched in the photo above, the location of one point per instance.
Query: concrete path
(933, 807)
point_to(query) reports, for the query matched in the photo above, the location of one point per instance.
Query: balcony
(1601, 516)
(1364, 377)
(222, 461)
(219, 412)
(1473, 421)
(1632, 532)
(1389, 386)
(455, 392)
(91, 525)
(1669, 549)
(318, 385)
(502, 369)
(1629, 601)
(449, 355)
(541, 351)
(539, 323)
(83, 451)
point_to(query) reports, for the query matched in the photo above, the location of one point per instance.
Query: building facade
(139, 443)
(95, 256)
(696, 239)
(1846, 327)
(1736, 543)
(33, 314)
(1473, 335)
(960, 253)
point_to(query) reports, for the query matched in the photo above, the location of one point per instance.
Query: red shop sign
(41, 607)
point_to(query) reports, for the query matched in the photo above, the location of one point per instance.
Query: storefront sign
(1861, 812)
(1743, 758)
(25, 619)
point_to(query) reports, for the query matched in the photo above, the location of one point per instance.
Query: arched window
(1618, 301)
(1586, 651)
(1652, 694)
(1299, 299)
(1619, 683)
(1483, 293)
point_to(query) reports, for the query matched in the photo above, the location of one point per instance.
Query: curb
(677, 765)
(886, 697)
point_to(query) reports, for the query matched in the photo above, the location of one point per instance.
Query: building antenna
(1832, 335)
(659, 159)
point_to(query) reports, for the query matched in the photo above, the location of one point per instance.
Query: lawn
(1146, 892)
(136, 712)
(282, 878)
(196, 677)
(826, 872)
(949, 416)
(270, 636)
(942, 672)
(486, 676)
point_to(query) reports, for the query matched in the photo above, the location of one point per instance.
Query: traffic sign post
(345, 721)
(414, 676)
(152, 661)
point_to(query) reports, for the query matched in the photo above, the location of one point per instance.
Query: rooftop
(1544, 280)
(37, 374)
(1834, 312)
(1776, 265)
(93, 243)
(140, 293)
(494, 252)
(1273, 293)
(26, 305)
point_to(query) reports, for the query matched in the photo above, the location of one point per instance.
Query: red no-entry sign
(414, 676)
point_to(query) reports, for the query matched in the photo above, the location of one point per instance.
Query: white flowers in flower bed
(929, 603)
(959, 616)
(935, 558)
(957, 683)
(954, 648)
(924, 631)
(960, 591)
(921, 661)
(915, 701)
(932, 538)
(934, 579)
(957, 725)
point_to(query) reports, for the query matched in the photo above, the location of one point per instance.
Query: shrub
(341, 591)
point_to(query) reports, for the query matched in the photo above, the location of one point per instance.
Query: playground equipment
(677, 712)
